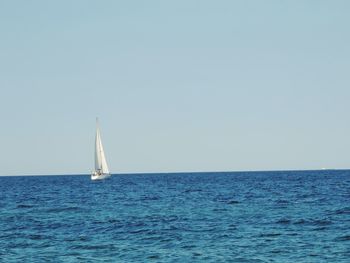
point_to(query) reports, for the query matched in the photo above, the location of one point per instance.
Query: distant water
(202, 217)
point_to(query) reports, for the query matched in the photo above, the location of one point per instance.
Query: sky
(177, 85)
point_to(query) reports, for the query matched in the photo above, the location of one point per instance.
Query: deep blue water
(201, 217)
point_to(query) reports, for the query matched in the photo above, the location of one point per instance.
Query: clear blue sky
(177, 85)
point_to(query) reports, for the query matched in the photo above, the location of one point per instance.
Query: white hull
(99, 176)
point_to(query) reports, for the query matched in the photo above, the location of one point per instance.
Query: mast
(97, 148)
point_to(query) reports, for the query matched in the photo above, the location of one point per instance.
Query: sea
(284, 216)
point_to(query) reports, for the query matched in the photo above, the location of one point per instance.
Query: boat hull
(95, 177)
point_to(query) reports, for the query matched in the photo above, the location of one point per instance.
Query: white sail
(101, 167)
(100, 158)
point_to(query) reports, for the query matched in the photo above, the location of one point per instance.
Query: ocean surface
(189, 217)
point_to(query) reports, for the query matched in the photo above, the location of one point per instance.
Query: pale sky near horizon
(177, 85)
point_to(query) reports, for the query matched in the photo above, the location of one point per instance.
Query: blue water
(201, 217)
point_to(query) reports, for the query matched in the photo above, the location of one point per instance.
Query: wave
(284, 221)
(269, 235)
(25, 206)
(343, 211)
(232, 202)
(94, 247)
(62, 209)
(313, 222)
(343, 238)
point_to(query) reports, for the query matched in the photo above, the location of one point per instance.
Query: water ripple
(203, 217)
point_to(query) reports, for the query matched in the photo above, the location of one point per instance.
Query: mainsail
(100, 158)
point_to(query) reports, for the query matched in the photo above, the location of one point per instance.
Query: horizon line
(186, 172)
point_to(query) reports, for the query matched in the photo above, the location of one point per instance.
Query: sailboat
(101, 167)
